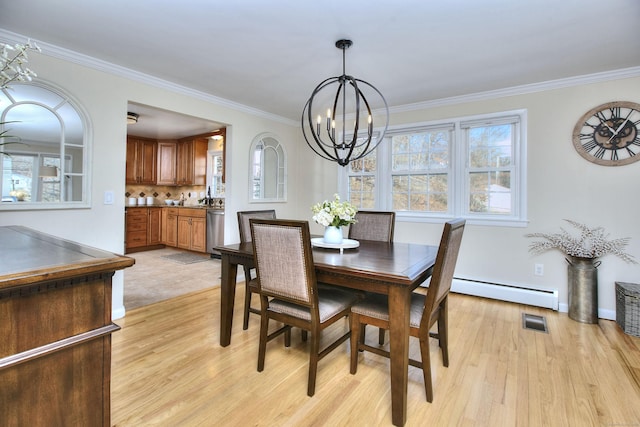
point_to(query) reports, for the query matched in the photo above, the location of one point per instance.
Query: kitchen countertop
(215, 208)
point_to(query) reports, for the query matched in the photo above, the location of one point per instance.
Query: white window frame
(54, 106)
(458, 205)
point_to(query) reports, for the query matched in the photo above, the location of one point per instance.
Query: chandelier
(346, 133)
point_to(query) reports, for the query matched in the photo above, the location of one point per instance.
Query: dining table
(394, 269)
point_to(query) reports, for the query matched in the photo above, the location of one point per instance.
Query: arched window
(267, 169)
(44, 148)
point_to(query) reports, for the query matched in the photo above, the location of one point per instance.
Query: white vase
(333, 235)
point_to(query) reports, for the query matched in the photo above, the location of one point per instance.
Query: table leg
(227, 298)
(399, 308)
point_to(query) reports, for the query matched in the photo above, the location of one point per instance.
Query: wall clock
(609, 134)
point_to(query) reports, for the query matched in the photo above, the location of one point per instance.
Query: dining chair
(251, 285)
(289, 292)
(426, 310)
(373, 225)
(377, 226)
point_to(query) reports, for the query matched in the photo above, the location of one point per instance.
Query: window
(267, 169)
(41, 126)
(420, 170)
(32, 177)
(216, 162)
(472, 167)
(362, 182)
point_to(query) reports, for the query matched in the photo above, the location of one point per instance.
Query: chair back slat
(245, 216)
(444, 267)
(373, 225)
(284, 260)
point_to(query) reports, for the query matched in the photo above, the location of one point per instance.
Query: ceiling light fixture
(132, 118)
(329, 141)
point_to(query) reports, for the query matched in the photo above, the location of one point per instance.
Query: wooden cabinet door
(154, 226)
(191, 164)
(184, 232)
(167, 156)
(200, 148)
(131, 175)
(185, 148)
(141, 161)
(184, 164)
(191, 230)
(170, 227)
(147, 161)
(199, 234)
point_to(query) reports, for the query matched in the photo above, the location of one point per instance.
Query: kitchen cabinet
(192, 229)
(170, 226)
(167, 158)
(191, 161)
(143, 229)
(154, 226)
(141, 160)
(135, 228)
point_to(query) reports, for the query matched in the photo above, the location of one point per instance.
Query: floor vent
(535, 323)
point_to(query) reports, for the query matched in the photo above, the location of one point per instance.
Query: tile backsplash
(160, 193)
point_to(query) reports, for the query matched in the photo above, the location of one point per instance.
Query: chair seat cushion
(377, 306)
(331, 301)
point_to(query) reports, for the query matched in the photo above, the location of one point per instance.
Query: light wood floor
(169, 370)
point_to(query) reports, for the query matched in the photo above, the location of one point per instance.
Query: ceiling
(269, 55)
(163, 124)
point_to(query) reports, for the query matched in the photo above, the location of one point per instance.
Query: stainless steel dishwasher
(215, 231)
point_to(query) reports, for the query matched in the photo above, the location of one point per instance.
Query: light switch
(108, 197)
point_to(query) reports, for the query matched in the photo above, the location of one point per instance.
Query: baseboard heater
(539, 297)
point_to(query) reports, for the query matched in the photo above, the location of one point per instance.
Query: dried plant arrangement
(591, 243)
(13, 60)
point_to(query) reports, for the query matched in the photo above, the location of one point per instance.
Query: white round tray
(346, 244)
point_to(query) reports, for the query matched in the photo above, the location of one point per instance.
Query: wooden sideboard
(55, 330)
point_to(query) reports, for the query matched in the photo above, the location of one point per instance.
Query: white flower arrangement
(13, 61)
(592, 243)
(12, 69)
(334, 213)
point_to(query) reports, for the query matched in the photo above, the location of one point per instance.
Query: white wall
(105, 98)
(561, 184)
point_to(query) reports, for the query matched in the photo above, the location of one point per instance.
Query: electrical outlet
(538, 270)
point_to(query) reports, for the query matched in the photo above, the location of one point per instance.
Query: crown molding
(522, 90)
(107, 67)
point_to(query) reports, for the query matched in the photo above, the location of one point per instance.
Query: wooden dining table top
(406, 264)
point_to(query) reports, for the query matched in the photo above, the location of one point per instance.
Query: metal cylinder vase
(583, 289)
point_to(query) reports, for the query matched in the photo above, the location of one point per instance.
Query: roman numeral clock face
(609, 134)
